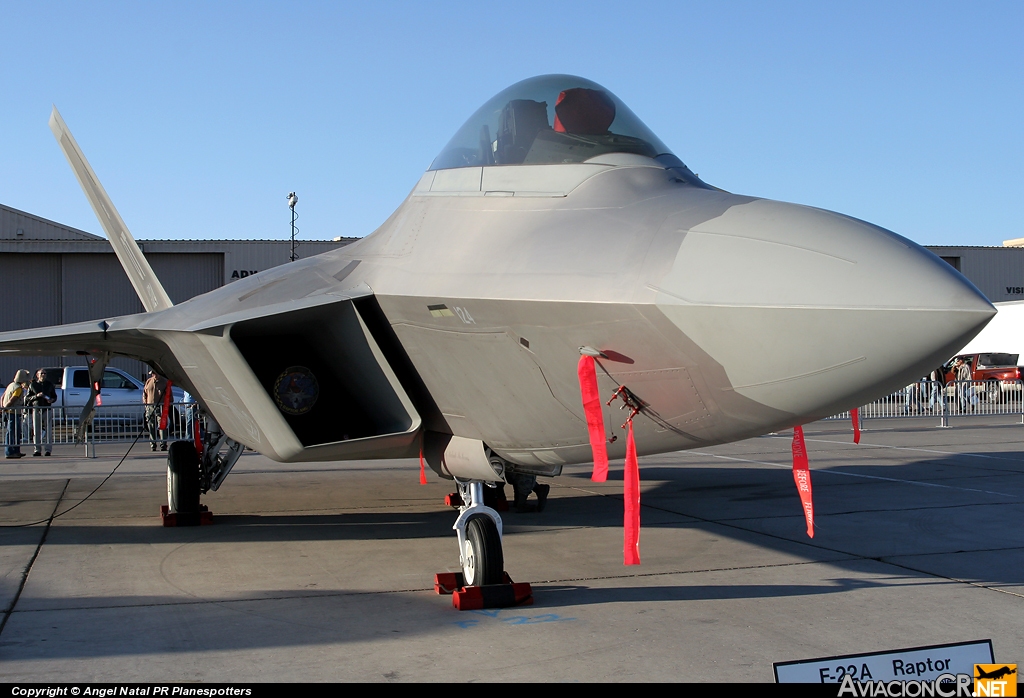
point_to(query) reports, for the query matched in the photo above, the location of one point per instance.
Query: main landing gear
(182, 478)
(183, 489)
(190, 475)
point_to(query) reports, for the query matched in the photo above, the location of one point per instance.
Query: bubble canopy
(549, 119)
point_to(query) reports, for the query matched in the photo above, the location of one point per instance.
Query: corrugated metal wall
(29, 297)
(54, 289)
(95, 285)
(998, 272)
(29, 290)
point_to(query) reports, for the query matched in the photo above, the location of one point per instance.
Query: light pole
(292, 200)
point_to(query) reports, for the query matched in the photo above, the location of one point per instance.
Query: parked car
(117, 389)
(999, 371)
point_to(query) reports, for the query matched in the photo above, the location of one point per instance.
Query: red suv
(999, 371)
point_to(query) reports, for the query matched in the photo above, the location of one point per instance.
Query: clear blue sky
(200, 117)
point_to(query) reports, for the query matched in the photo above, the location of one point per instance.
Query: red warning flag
(166, 407)
(631, 500)
(802, 477)
(595, 420)
(855, 418)
(423, 469)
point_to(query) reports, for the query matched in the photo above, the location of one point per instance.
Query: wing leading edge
(118, 336)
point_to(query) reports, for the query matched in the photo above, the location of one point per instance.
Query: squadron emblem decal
(296, 390)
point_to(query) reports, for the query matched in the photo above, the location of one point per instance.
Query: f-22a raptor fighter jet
(553, 223)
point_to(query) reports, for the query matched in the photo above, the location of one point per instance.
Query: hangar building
(52, 274)
(998, 272)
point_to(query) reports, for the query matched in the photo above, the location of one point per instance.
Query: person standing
(522, 486)
(190, 415)
(910, 399)
(965, 385)
(12, 401)
(153, 397)
(936, 388)
(41, 395)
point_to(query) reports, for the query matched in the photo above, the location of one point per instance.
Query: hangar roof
(24, 232)
(19, 225)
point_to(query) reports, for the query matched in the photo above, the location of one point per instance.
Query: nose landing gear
(483, 582)
(479, 530)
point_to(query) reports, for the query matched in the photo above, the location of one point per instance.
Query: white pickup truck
(117, 389)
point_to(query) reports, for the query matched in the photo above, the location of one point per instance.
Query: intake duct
(330, 382)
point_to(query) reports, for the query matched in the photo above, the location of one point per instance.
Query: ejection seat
(521, 121)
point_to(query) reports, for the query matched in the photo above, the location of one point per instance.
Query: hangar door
(96, 287)
(30, 289)
(54, 289)
(30, 292)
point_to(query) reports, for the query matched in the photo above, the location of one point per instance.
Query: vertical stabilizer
(150, 291)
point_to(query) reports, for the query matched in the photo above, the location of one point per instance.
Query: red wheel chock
(203, 517)
(465, 598)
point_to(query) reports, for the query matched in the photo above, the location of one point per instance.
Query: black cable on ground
(82, 501)
(32, 562)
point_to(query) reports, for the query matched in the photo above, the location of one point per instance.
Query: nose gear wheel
(482, 559)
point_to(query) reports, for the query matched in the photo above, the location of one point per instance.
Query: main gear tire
(182, 478)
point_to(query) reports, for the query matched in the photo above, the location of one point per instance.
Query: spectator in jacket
(13, 399)
(41, 395)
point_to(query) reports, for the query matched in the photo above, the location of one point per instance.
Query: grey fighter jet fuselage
(554, 220)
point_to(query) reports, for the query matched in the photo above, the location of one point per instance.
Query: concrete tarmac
(323, 572)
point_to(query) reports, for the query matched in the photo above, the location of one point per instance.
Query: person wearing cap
(14, 398)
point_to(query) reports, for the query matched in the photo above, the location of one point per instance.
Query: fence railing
(41, 428)
(954, 399)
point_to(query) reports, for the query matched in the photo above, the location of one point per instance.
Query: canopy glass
(546, 120)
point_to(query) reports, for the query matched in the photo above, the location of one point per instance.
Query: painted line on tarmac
(839, 472)
(921, 450)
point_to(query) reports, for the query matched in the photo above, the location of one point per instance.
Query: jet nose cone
(810, 312)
